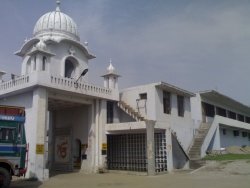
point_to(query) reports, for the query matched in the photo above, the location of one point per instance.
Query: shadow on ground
(24, 183)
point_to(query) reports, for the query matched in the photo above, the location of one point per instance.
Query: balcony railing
(66, 82)
(56, 82)
(14, 82)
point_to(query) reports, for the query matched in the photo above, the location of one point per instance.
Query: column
(150, 146)
(40, 102)
(169, 149)
(97, 148)
(88, 165)
(102, 136)
(39, 62)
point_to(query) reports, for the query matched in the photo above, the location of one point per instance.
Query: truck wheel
(5, 178)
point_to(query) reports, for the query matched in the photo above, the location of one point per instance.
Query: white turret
(1, 76)
(55, 48)
(111, 77)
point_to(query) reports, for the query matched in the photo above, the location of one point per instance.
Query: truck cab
(13, 145)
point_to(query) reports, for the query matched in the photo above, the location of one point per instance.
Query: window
(44, 63)
(231, 115)
(166, 102)
(224, 131)
(236, 133)
(28, 67)
(240, 117)
(247, 119)
(208, 109)
(143, 96)
(7, 134)
(221, 112)
(110, 112)
(69, 69)
(244, 134)
(34, 68)
(180, 104)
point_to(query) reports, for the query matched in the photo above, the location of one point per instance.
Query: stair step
(194, 164)
(195, 147)
(130, 111)
(194, 153)
(195, 150)
(199, 137)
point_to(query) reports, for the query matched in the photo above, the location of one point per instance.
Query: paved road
(215, 175)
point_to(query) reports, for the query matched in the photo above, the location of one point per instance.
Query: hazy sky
(193, 44)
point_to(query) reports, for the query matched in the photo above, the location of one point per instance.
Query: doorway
(77, 154)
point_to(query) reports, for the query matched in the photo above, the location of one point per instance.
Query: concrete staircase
(130, 111)
(179, 142)
(175, 138)
(195, 150)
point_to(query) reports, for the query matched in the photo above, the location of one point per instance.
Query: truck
(13, 146)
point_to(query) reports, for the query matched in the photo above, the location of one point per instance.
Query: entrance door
(77, 154)
(63, 150)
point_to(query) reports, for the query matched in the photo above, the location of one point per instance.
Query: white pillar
(33, 64)
(102, 135)
(40, 106)
(88, 165)
(97, 148)
(150, 146)
(39, 62)
(169, 150)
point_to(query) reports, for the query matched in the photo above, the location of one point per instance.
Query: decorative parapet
(14, 83)
(46, 80)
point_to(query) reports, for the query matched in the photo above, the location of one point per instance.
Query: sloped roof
(224, 100)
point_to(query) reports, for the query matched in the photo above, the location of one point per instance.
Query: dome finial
(110, 68)
(58, 2)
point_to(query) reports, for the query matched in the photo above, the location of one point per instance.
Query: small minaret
(1, 76)
(111, 77)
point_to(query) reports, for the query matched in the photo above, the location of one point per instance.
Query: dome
(56, 23)
(110, 68)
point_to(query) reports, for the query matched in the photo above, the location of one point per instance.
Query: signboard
(104, 146)
(62, 149)
(40, 149)
(84, 146)
(12, 118)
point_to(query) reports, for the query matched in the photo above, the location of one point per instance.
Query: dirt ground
(225, 174)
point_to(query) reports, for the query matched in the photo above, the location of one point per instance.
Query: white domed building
(55, 47)
(63, 111)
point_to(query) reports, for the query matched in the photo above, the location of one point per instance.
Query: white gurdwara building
(73, 125)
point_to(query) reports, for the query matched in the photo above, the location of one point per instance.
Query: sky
(196, 45)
